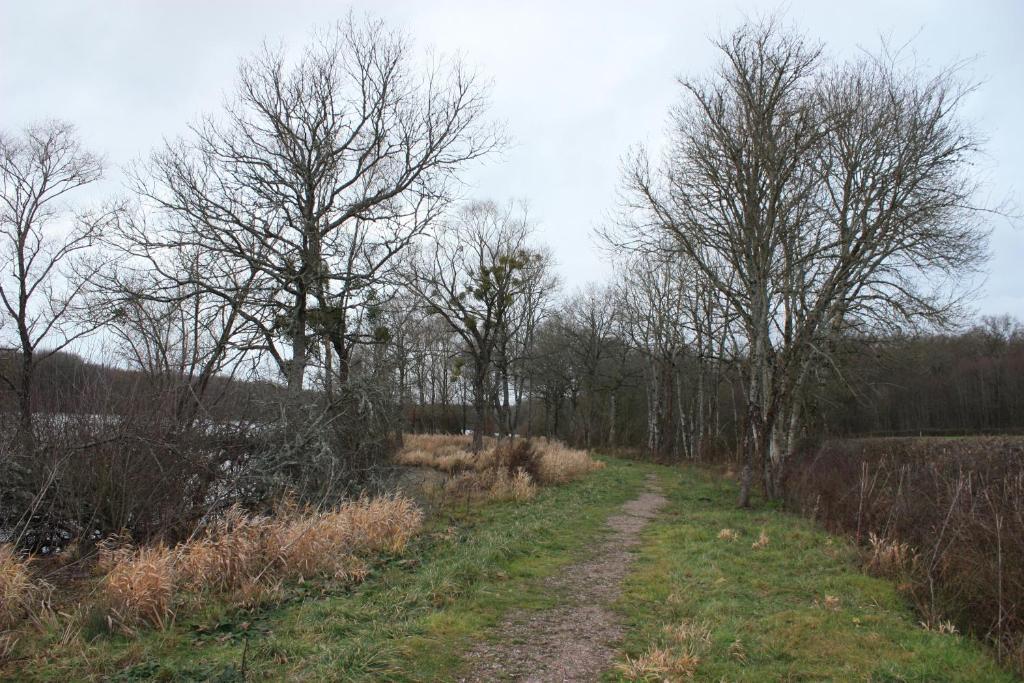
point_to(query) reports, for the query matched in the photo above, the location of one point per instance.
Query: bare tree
(179, 336)
(814, 199)
(528, 310)
(653, 296)
(45, 262)
(318, 173)
(552, 377)
(590, 322)
(472, 276)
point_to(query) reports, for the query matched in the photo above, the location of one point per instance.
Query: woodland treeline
(954, 384)
(278, 295)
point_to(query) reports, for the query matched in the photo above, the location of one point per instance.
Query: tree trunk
(25, 391)
(479, 404)
(506, 407)
(611, 420)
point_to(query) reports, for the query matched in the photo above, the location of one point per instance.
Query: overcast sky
(577, 83)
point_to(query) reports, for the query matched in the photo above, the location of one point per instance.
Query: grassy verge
(795, 608)
(410, 620)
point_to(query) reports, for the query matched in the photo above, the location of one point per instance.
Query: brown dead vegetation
(242, 558)
(944, 517)
(511, 470)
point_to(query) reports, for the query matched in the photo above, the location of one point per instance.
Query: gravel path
(574, 641)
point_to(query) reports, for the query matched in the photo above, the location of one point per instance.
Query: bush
(519, 457)
(139, 473)
(945, 516)
(135, 464)
(320, 451)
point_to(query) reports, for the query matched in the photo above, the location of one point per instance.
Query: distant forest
(965, 383)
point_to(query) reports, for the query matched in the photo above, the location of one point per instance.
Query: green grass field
(796, 609)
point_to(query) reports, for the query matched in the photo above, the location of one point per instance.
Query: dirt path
(574, 641)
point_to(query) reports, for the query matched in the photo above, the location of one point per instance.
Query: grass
(409, 619)
(771, 597)
(943, 516)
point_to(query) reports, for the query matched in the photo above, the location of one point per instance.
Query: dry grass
(560, 464)
(139, 588)
(944, 627)
(687, 641)
(493, 484)
(737, 651)
(658, 664)
(228, 555)
(693, 634)
(887, 557)
(728, 535)
(21, 596)
(246, 557)
(556, 463)
(445, 452)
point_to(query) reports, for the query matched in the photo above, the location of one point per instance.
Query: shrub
(323, 451)
(134, 463)
(518, 457)
(946, 516)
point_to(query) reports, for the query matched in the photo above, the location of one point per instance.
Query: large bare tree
(296, 198)
(652, 296)
(46, 250)
(815, 198)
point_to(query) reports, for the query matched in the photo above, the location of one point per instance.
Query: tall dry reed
(246, 557)
(553, 462)
(21, 595)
